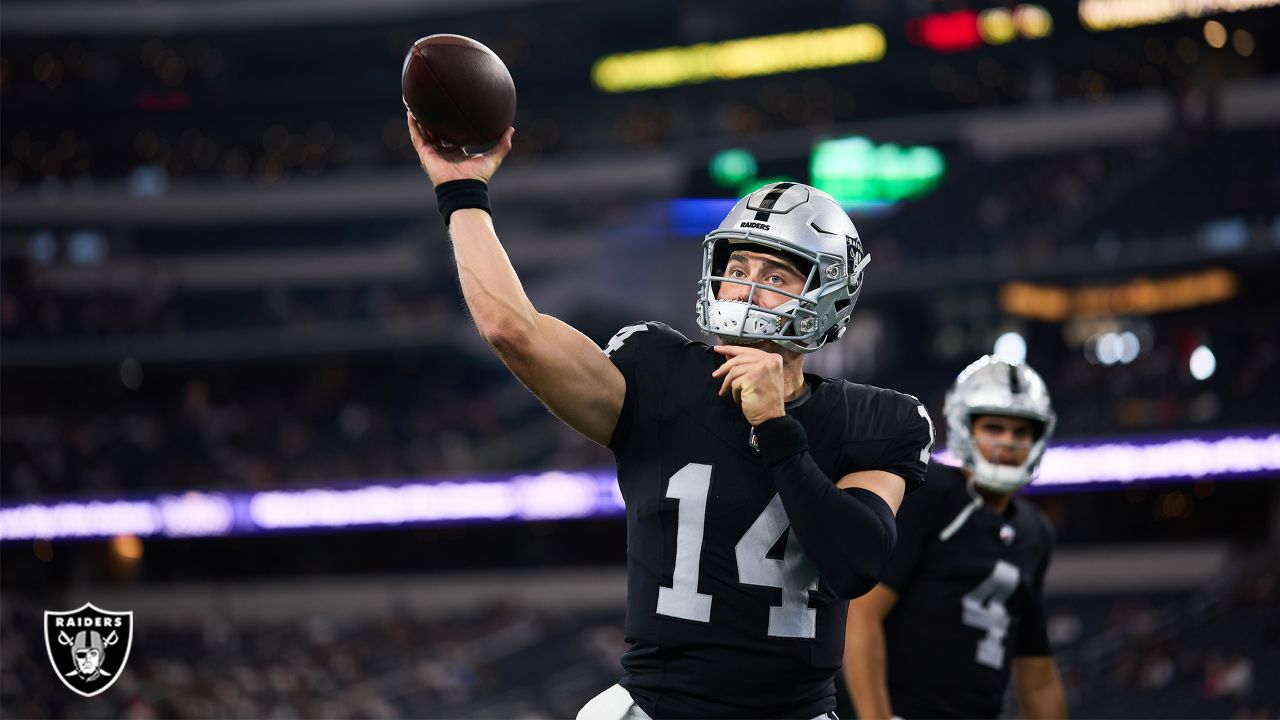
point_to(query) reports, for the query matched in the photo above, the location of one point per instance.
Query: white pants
(612, 704)
(616, 704)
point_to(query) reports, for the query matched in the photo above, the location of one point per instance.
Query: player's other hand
(444, 164)
(754, 378)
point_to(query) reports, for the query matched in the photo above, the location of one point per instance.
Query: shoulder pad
(644, 334)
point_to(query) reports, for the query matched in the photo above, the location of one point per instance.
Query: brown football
(459, 91)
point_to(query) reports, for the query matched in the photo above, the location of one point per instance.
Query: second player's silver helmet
(808, 226)
(991, 386)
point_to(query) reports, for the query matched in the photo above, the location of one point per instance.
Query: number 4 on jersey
(984, 608)
(792, 573)
(620, 337)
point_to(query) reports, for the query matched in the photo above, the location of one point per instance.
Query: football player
(759, 498)
(960, 604)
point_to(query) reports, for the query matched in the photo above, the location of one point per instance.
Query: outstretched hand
(754, 379)
(448, 163)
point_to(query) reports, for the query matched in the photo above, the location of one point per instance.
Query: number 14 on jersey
(793, 574)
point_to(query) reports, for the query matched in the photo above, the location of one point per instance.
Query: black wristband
(781, 438)
(460, 195)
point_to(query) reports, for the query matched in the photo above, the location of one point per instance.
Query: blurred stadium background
(242, 399)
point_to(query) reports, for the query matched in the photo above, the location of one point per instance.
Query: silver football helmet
(809, 227)
(991, 386)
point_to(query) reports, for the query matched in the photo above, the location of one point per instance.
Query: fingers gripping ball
(459, 92)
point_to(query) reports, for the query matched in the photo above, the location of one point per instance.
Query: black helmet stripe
(1015, 385)
(770, 199)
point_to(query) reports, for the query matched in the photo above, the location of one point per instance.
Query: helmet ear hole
(720, 257)
(1037, 429)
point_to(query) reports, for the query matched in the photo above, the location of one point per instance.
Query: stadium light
(959, 30)
(733, 167)
(744, 57)
(1139, 296)
(1011, 347)
(1099, 15)
(1203, 363)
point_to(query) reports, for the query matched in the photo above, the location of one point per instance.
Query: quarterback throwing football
(759, 498)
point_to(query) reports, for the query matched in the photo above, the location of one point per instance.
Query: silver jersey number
(793, 574)
(984, 608)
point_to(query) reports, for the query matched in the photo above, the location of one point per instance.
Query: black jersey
(966, 604)
(725, 616)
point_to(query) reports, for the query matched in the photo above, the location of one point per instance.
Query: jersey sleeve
(907, 455)
(636, 350)
(918, 525)
(1033, 632)
(903, 439)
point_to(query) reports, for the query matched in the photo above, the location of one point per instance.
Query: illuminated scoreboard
(868, 178)
(865, 176)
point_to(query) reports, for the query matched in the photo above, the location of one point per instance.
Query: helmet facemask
(1001, 477)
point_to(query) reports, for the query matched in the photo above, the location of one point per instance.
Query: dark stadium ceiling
(694, 20)
(102, 18)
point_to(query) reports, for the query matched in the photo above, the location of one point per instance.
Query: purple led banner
(564, 495)
(552, 495)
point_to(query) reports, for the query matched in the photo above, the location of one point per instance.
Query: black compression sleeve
(848, 535)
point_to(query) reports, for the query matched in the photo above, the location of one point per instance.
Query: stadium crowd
(1146, 655)
(258, 424)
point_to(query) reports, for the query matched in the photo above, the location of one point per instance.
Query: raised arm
(563, 367)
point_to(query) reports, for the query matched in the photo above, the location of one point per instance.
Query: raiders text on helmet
(991, 386)
(809, 227)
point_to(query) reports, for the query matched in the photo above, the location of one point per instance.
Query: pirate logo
(853, 248)
(88, 646)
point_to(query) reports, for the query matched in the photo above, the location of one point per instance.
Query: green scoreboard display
(868, 178)
(855, 170)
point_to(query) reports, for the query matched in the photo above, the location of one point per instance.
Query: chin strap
(954, 526)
